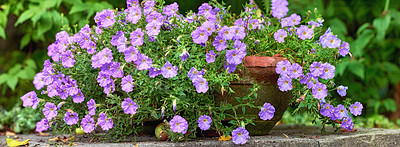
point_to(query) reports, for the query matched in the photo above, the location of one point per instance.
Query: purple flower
(178, 124)
(204, 122)
(68, 59)
(267, 112)
(235, 56)
(105, 122)
(347, 124)
(88, 124)
(295, 71)
(316, 24)
(304, 32)
(153, 29)
(91, 47)
(131, 54)
(155, 18)
(227, 33)
(342, 111)
(230, 67)
(280, 35)
(331, 41)
(344, 48)
(119, 40)
(132, 3)
(356, 108)
(133, 14)
(193, 73)
(153, 72)
(91, 104)
(283, 67)
(328, 71)
(254, 23)
(326, 110)
(294, 19)
(127, 83)
(169, 71)
(148, 6)
(319, 91)
(200, 35)
(209, 27)
(240, 135)
(78, 97)
(104, 79)
(129, 106)
(316, 69)
(105, 18)
(184, 55)
(219, 43)
(239, 32)
(210, 56)
(30, 99)
(137, 37)
(116, 70)
(285, 83)
(279, 8)
(205, 9)
(143, 62)
(71, 118)
(105, 56)
(171, 9)
(238, 45)
(50, 110)
(41, 79)
(200, 83)
(62, 92)
(52, 89)
(42, 125)
(341, 90)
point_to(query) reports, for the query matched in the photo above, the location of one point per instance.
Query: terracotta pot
(259, 70)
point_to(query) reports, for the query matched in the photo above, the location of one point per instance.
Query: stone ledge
(282, 135)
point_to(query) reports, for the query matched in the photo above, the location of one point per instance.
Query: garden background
(372, 27)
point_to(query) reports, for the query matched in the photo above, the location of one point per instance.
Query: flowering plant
(148, 61)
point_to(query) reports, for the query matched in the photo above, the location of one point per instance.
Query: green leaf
(37, 17)
(341, 67)
(2, 33)
(27, 74)
(12, 82)
(389, 104)
(79, 8)
(362, 28)
(56, 16)
(381, 25)
(358, 45)
(25, 40)
(30, 63)
(3, 78)
(357, 68)
(26, 15)
(15, 69)
(45, 24)
(339, 27)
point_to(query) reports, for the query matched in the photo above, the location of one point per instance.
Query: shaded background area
(372, 27)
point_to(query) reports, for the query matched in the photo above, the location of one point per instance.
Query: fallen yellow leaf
(55, 139)
(14, 143)
(225, 138)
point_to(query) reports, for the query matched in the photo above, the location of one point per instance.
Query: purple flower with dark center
(279, 8)
(143, 62)
(285, 83)
(155, 18)
(153, 29)
(304, 32)
(254, 24)
(137, 37)
(219, 43)
(240, 135)
(283, 67)
(239, 22)
(110, 88)
(169, 71)
(153, 72)
(148, 6)
(209, 27)
(119, 40)
(62, 92)
(200, 83)
(88, 124)
(230, 67)
(184, 55)
(238, 45)
(71, 118)
(50, 110)
(344, 48)
(91, 104)
(117, 71)
(331, 41)
(295, 71)
(52, 89)
(105, 122)
(41, 79)
(334, 114)
(132, 3)
(105, 56)
(131, 54)
(91, 47)
(152, 38)
(326, 110)
(129, 106)
(210, 56)
(178, 124)
(205, 9)
(319, 91)
(104, 79)
(105, 18)
(235, 56)
(356, 108)
(200, 35)
(171, 9)
(68, 59)
(227, 33)
(294, 19)
(30, 99)
(316, 69)
(267, 112)
(42, 125)
(78, 97)
(193, 73)
(127, 83)
(72, 87)
(341, 90)
(239, 32)
(204, 122)
(133, 14)
(342, 111)
(328, 71)
(280, 35)
(347, 124)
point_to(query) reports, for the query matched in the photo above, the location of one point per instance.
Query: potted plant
(148, 62)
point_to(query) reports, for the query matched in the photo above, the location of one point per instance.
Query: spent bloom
(71, 118)
(105, 122)
(240, 135)
(88, 124)
(341, 90)
(129, 106)
(178, 124)
(356, 108)
(267, 112)
(204, 122)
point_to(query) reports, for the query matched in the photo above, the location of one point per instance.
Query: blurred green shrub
(19, 120)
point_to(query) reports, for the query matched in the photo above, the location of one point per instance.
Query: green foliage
(20, 120)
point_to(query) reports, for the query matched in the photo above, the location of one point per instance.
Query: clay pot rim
(262, 61)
